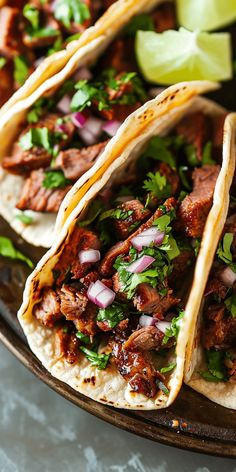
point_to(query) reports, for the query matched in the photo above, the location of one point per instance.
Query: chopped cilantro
(25, 219)
(168, 368)
(71, 11)
(113, 314)
(31, 13)
(55, 179)
(183, 178)
(191, 155)
(206, 154)
(142, 22)
(93, 212)
(97, 360)
(86, 94)
(21, 69)
(162, 387)
(224, 252)
(36, 111)
(174, 328)
(197, 245)
(158, 149)
(3, 61)
(157, 185)
(182, 195)
(230, 303)
(8, 250)
(82, 337)
(57, 46)
(162, 223)
(40, 137)
(215, 364)
(117, 214)
(73, 37)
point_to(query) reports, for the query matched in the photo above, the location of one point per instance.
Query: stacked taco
(107, 310)
(50, 137)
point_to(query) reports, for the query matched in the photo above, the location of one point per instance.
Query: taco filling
(31, 30)
(65, 133)
(123, 276)
(218, 335)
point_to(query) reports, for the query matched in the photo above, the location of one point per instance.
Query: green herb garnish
(230, 304)
(157, 185)
(83, 337)
(168, 368)
(215, 364)
(113, 314)
(224, 250)
(21, 69)
(174, 328)
(25, 219)
(55, 179)
(3, 62)
(71, 11)
(7, 249)
(98, 360)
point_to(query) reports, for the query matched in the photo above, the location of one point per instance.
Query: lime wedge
(205, 14)
(175, 56)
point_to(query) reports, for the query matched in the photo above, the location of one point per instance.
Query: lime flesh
(205, 15)
(175, 56)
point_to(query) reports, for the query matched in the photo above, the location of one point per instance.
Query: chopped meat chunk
(219, 331)
(196, 130)
(106, 266)
(38, 198)
(217, 287)
(181, 264)
(73, 303)
(120, 56)
(195, 207)
(10, 44)
(80, 239)
(148, 300)
(7, 83)
(22, 161)
(164, 17)
(125, 226)
(86, 323)
(47, 311)
(75, 162)
(67, 345)
(144, 339)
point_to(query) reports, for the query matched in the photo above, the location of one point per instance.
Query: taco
(38, 37)
(49, 139)
(104, 310)
(211, 354)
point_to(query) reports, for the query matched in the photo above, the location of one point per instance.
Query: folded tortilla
(223, 393)
(48, 77)
(156, 117)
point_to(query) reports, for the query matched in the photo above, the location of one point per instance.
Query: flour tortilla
(156, 117)
(60, 66)
(223, 393)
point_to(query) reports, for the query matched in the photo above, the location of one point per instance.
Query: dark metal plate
(193, 422)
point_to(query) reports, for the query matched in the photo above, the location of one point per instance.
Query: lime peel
(176, 56)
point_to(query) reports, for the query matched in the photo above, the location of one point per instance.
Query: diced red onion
(64, 104)
(105, 298)
(62, 127)
(140, 265)
(83, 74)
(89, 255)
(147, 237)
(228, 276)
(88, 138)
(146, 320)
(111, 127)
(100, 294)
(78, 119)
(163, 326)
(91, 130)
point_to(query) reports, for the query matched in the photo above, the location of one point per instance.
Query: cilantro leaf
(162, 387)
(224, 251)
(97, 360)
(215, 365)
(25, 219)
(40, 137)
(71, 11)
(57, 46)
(191, 155)
(82, 337)
(230, 303)
(206, 154)
(3, 61)
(168, 368)
(162, 223)
(158, 149)
(55, 179)
(183, 178)
(142, 22)
(36, 111)
(7, 249)
(84, 96)
(157, 185)
(94, 210)
(113, 314)
(117, 214)
(21, 69)
(31, 13)
(173, 330)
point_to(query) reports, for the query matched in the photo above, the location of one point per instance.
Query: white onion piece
(105, 298)
(163, 326)
(100, 294)
(228, 276)
(111, 127)
(89, 255)
(146, 320)
(147, 237)
(88, 138)
(64, 104)
(94, 125)
(83, 74)
(140, 265)
(78, 119)
(94, 289)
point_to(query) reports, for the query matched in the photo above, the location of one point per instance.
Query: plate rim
(177, 438)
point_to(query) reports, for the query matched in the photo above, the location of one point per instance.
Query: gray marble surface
(42, 432)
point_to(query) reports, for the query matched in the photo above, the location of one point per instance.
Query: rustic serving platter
(192, 422)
